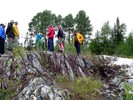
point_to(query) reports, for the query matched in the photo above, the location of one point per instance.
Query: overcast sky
(99, 11)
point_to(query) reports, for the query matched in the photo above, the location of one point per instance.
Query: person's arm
(2, 34)
(16, 31)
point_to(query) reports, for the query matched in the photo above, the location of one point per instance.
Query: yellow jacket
(79, 37)
(15, 29)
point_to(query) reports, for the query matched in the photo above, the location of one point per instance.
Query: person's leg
(40, 45)
(2, 45)
(59, 44)
(48, 44)
(62, 46)
(52, 44)
(10, 44)
(77, 45)
(37, 45)
(78, 49)
(16, 42)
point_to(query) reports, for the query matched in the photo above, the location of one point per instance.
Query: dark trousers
(50, 44)
(77, 46)
(2, 45)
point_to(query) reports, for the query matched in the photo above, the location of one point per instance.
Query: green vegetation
(84, 87)
(41, 21)
(70, 49)
(9, 84)
(8, 91)
(128, 91)
(19, 51)
(112, 41)
(109, 40)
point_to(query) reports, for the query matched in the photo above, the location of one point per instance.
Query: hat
(3, 25)
(16, 22)
(12, 20)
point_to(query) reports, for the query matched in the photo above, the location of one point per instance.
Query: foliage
(108, 40)
(8, 92)
(62, 79)
(19, 51)
(41, 21)
(68, 25)
(29, 42)
(126, 48)
(83, 25)
(85, 86)
(82, 86)
(128, 91)
(118, 34)
(102, 43)
(69, 48)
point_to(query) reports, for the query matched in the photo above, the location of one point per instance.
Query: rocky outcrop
(37, 71)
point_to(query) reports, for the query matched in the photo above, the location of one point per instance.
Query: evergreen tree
(118, 33)
(83, 25)
(68, 25)
(41, 21)
(102, 44)
(126, 48)
(95, 44)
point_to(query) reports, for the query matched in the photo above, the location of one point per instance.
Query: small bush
(128, 91)
(85, 86)
(70, 49)
(10, 91)
(19, 51)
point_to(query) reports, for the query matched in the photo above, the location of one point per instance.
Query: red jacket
(50, 32)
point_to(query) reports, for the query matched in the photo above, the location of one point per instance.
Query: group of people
(60, 36)
(77, 39)
(50, 35)
(11, 33)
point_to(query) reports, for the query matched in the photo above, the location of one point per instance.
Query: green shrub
(9, 92)
(85, 86)
(128, 91)
(18, 51)
(69, 48)
(62, 79)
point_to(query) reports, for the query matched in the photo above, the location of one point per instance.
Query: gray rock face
(37, 89)
(37, 70)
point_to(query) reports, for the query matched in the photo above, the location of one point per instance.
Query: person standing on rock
(38, 40)
(60, 36)
(2, 38)
(50, 35)
(10, 35)
(77, 39)
(16, 33)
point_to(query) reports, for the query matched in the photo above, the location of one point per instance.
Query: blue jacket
(2, 32)
(38, 36)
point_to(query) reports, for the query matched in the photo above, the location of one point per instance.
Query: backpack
(61, 34)
(80, 37)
